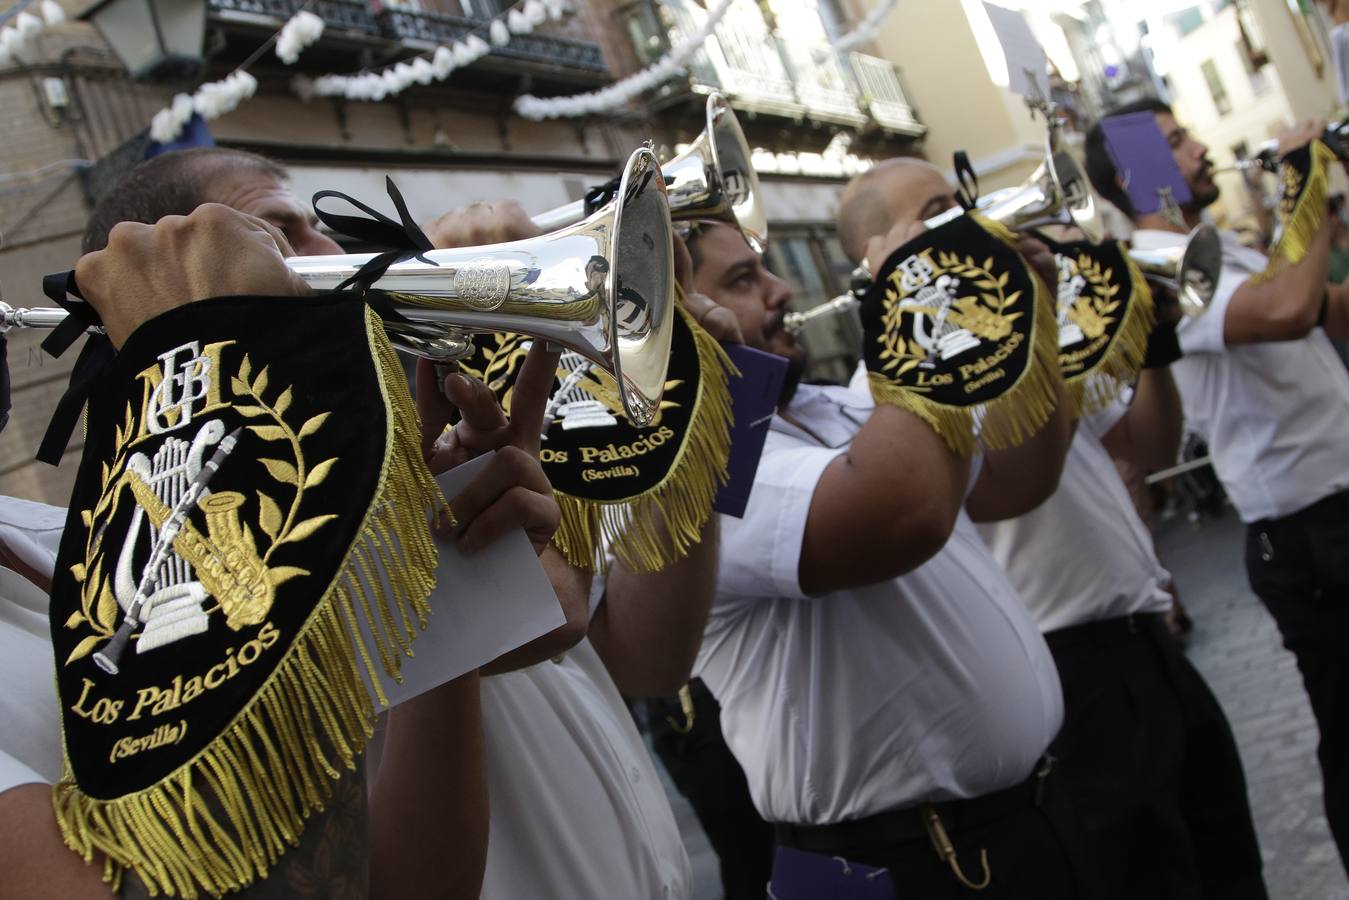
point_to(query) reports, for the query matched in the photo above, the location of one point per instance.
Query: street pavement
(1236, 646)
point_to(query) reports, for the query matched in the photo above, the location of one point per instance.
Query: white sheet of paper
(1023, 52)
(483, 605)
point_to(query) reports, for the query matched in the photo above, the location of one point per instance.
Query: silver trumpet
(1057, 193)
(1266, 158)
(712, 179)
(1190, 269)
(603, 287)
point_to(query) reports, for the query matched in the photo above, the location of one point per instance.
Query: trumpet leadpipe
(31, 317)
(794, 322)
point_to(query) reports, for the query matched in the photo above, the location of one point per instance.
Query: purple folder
(1143, 160)
(754, 397)
(798, 875)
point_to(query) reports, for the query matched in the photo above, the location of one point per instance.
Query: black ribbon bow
(404, 238)
(94, 358)
(967, 195)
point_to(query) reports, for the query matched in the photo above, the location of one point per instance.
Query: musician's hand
(147, 270)
(1041, 260)
(510, 492)
(879, 248)
(1300, 135)
(481, 223)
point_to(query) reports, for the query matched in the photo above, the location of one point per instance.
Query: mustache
(774, 323)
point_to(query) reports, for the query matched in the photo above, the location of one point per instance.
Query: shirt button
(635, 774)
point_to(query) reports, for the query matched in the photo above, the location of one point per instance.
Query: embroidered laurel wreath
(643, 494)
(955, 326)
(1105, 314)
(195, 752)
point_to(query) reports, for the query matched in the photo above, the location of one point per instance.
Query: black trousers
(1027, 835)
(1153, 769)
(708, 776)
(1299, 568)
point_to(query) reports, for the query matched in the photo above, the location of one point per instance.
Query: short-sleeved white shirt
(30, 735)
(577, 807)
(1275, 414)
(933, 685)
(1083, 555)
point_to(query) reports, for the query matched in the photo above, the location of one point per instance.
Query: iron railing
(426, 29)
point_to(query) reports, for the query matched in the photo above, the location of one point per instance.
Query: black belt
(915, 823)
(1105, 631)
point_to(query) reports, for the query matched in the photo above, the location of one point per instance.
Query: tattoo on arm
(331, 861)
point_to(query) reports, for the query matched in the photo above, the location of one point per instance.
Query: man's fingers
(719, 321)
(433, 407)
(529, 399)
(477, 404)
(537, 514)
(510, 467)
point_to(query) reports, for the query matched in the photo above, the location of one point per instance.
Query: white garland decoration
(620, 92)
(211, 100)
(867, 28)
(19, 37)
(303, 29)
(378, 84)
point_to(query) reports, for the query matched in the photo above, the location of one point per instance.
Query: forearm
(572, 586)
(1284, 307)
(1154, 420)
(429, 809)
(1337, 312)
(650, 625)
(35, 860)
(1015, 480)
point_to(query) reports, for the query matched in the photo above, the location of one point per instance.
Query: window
(1215, 87)
(810, 260)
(1256, 75)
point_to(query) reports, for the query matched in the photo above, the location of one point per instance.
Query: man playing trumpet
(1262, 383)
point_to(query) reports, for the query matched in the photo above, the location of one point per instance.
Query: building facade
(812, 115)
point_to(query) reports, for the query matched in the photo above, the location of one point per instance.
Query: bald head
(902, 189)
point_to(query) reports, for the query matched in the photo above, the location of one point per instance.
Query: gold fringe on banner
(1304, 220)
(1016, 414)
(223, 818)
(649, 532)
(1097, 389)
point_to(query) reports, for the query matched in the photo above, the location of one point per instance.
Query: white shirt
(578, 810)
(1275, 415)
(1083, 555)
(929, 686)
(30, 736)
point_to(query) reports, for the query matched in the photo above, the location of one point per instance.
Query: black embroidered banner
(1105, 314)
(240, 493)
(623, 488)
(956, 326)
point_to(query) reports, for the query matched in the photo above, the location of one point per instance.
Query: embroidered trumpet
(712, 179)
(603, 287)
(1190, 269)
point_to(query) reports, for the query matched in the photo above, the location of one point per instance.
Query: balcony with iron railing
(419, 28)
(763, 71)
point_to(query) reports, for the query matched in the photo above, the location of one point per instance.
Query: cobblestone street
(1236, 646)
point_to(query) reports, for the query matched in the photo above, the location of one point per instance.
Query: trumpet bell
(712, 179)
(603, 287)
(1191, 270)
(1056, 193)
